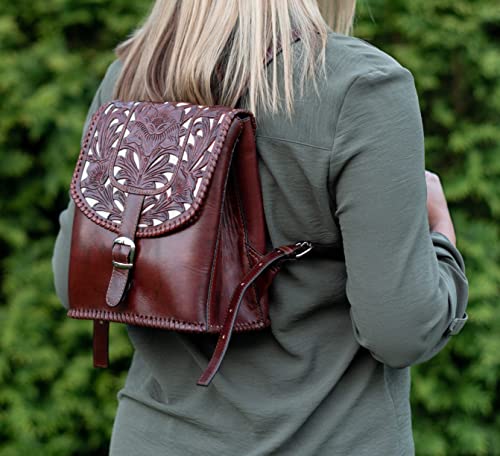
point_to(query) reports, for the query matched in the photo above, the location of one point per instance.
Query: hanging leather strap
(122, 257)
(287, 252)
(100, 343)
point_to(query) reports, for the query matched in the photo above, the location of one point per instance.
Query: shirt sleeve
(406, 285)
(62, 246)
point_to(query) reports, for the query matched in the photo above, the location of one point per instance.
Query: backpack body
(169, 230)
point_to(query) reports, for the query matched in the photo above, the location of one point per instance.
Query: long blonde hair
(211, 51)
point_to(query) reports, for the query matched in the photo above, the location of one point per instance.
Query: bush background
(53, 54)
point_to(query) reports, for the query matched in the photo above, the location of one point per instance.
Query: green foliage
(53, 54)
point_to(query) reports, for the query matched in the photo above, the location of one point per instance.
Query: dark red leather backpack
(169, 230)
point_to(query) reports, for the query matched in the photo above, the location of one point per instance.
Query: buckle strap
(123, 250)
(286, 252)
(122, 257)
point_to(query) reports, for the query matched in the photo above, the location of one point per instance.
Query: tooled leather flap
(165, 151)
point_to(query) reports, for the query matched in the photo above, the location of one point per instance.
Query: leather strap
(100, 343)
(123, 254)
(120, 254)
(295, 35)
(286, 252)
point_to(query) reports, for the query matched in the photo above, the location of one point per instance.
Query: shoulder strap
(276, 256)
(273, 258)
(267, 59)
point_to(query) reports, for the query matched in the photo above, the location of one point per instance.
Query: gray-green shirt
(332, 376)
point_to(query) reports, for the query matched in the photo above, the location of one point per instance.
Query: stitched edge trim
(159, 322)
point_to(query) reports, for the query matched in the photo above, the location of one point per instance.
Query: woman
(341, 159)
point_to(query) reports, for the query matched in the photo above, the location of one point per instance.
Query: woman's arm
(406, 285)
(62, 247)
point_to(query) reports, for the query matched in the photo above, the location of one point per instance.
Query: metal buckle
(123, 240)
(457, 324)
(306, 246)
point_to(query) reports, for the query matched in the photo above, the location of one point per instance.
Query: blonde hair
(210, 51)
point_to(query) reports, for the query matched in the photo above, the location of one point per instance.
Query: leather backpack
(169, 229)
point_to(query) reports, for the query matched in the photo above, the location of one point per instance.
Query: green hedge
(53, 54)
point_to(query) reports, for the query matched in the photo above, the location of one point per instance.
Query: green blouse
(332, 375)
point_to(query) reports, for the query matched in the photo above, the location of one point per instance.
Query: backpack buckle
(123, 240)
(304, 247)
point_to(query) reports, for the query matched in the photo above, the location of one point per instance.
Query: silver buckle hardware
(456, 325)
(306, 247)
(123, 240)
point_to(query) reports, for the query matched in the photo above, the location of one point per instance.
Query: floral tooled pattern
(160, 150)
(149, 153)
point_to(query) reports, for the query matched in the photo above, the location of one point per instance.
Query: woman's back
(377, 295)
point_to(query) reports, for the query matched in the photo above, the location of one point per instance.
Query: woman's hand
(437, 207)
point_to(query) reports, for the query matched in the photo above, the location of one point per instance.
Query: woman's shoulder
(346, 57)
(349, 59)
(356, 56)
(109, 80)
